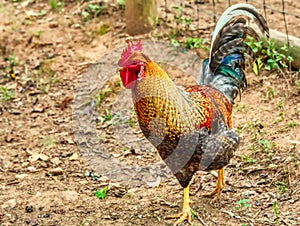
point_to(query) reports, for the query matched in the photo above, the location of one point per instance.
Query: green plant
(267, 146)
(269, 55)
(121, 4)
(11, 59)
(294, 160)
(282, 186)
(56, 4)
(297, 83)
(246, 158)
(292, 124)
(281, 104)
(242, 203)
(192, 43)
(174, 42)
(193, 212)
(271, 92)
(240, 107)
(49, 141)
(275, 209)
(181, 21)
(37, 34)
(101, 193)
(6, 94)
(257, 65)
(101, 30)
(106, 117)
(124, 149)
(102, 94)
(95, 9)
(10, 63)
(85, 15)
(92, 11)
(46, 76)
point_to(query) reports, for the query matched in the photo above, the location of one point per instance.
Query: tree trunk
(140, 16)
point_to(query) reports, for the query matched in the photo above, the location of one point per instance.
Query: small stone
(55, 161)
(248, 193)
(9, 138)
(10, 203)
(29, 209)
(45, 215)
(56, 171)
(21, 176)
(38, 108)
(53, 24)
(31, 168)
(44, 164)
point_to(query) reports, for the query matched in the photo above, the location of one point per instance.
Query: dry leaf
(36, 156)
(65, 102)
(73, 157)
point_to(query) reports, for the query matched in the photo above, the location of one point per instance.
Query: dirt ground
(46, 179)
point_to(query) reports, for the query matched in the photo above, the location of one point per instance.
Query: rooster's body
(191, 128)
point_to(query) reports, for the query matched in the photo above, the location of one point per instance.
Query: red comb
(128, 51)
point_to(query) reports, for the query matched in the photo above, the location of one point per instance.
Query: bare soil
(46, 180)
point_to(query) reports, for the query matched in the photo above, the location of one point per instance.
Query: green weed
(292, 124)
(174, 42)
(192, 43)
(46, 76)
(282, 186)
(240, 107)
(268, 56)
(106, 117)
(121, 4)
(92, 11)
(49, 141)
(101, 30)
(246, 158)
(101, 95)
(182, 22)
(101, 193)
(56, 5)
(275, 209)
(242, 203)
(6, 94)
(267, 146)
(271, 92)
(297, 83)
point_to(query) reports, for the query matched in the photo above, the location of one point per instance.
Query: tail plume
(224, 67)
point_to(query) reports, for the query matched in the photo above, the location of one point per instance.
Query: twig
(200, 219)
(257, 213)
(231, 214)
(134, 140)
(285, 222)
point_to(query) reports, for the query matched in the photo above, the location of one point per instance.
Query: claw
(186, 210)
(184, 215)
(219, 187)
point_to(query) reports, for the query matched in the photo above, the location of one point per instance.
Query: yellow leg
(220, 185)
(186, 210)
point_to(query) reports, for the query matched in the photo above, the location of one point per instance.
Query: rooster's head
(132, 64)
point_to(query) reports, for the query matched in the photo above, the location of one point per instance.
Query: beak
(121, 69)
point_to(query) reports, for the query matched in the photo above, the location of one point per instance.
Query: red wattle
(128, 80)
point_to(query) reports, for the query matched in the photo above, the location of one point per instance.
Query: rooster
(192, 128)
